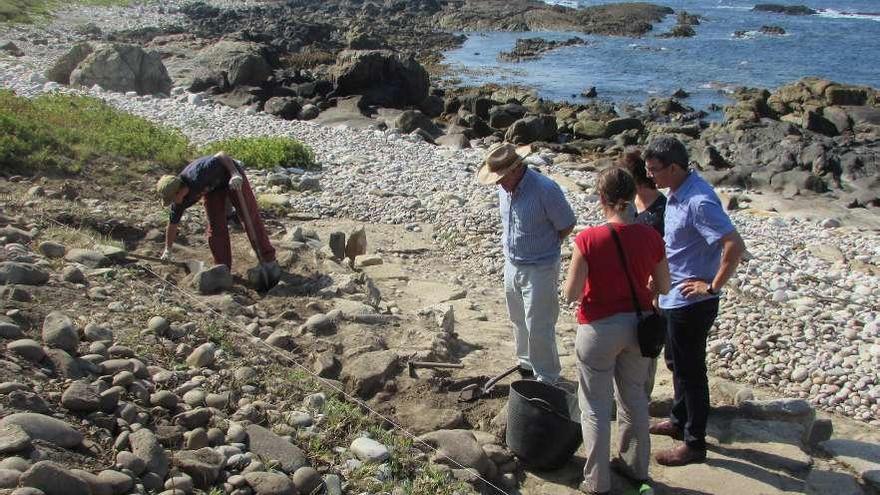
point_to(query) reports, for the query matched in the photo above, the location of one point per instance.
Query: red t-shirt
(606, 291)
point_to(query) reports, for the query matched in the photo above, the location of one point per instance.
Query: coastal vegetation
(58, 133)
(265, 152)
(30, 10)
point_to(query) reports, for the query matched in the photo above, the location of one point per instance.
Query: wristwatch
(711, 290)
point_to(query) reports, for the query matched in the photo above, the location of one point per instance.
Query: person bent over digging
(214, 179)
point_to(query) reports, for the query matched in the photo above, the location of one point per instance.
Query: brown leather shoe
(667, 429)
(680, 456)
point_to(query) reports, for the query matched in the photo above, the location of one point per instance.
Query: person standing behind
(649, 202)
(704, 249)
(650, 208)
(607, 345)
(535, 218)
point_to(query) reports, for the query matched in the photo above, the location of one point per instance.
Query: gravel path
(802, 316)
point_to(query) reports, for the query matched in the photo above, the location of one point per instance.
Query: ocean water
(841, 43)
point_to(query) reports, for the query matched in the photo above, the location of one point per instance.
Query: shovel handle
(491, 383)
(251, 234)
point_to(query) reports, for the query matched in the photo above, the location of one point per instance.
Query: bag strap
(622, 257)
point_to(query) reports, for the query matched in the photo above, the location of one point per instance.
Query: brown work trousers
(218, 231)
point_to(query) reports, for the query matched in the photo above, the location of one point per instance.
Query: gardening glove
(235, 182)
(166, 255)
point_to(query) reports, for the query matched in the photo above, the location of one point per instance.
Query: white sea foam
(565, 3)
(836, 14)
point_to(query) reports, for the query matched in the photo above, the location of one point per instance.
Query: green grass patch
(265, 152)
(63, 134)
(29, 10)
(81, 238)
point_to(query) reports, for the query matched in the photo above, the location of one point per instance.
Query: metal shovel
(260, 276)
(473, 392)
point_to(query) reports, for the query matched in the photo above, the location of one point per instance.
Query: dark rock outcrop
(783, 9)
(383, 77)
(60, 71)
(534, 48)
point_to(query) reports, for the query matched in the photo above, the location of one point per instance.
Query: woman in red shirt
(607, 348)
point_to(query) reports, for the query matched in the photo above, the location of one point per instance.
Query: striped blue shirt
(531, 218)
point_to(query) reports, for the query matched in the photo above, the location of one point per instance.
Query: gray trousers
(608, 354)
(532, 296)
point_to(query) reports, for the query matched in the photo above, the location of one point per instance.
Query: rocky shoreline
(801, 317)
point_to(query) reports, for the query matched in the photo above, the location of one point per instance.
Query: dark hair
(633, 163)
(616, 188)
(667, 150)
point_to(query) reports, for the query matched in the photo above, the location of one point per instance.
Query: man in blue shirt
(704, 249)
(535, 219)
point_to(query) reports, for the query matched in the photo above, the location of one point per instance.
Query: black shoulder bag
(651, 330)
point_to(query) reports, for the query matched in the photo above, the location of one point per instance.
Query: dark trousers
(687, 331)
(218, 232)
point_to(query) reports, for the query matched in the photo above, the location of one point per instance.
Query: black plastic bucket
(543, 424)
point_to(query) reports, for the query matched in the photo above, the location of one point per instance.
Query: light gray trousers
(531, 292)
(608, 355)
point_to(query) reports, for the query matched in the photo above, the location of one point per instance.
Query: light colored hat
(167, 187)
(501, 159)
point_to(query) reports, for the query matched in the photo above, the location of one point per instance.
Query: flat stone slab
(41, 427)
(431, 293)
(423, 418)
(772, 444)
(387, 271)
(862, 457)
(824, 482)
(271, 447)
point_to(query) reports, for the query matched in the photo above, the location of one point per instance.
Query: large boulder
(367, 372)
(123, 67)
(63, 67)
(384, 77)
(411, 120)
(242, 62)
(590, 129)
(286, 107)
(502, 116)
(532, 128)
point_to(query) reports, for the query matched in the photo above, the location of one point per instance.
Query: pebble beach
(802, 315)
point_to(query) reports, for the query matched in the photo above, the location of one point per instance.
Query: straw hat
(167, 187)
(501, 159)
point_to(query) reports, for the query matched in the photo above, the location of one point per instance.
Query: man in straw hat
(535, 219)
(214, 179)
